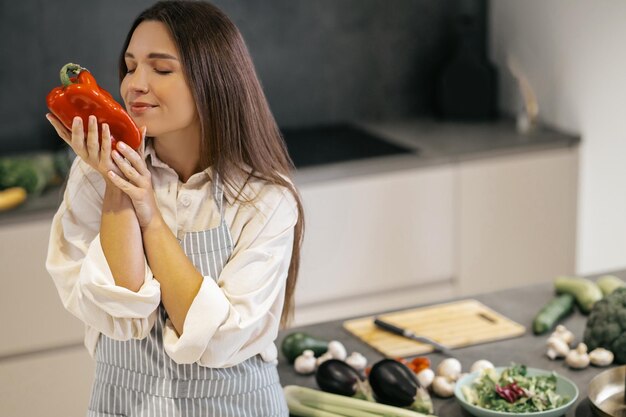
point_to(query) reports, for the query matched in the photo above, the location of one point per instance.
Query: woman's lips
(140, 108)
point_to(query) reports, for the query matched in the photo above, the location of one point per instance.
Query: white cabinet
(33, 314)
(420, 235)
(376, 242)
(517, 219)
(55, 384)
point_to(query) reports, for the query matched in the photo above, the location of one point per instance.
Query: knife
(411, 335)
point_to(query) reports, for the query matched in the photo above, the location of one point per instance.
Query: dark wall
(320, 61)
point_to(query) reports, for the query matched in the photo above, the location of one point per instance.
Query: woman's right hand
(97, 155)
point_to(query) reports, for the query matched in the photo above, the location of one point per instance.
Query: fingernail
(111, 174)
(78, 120)
(121, 145)
(92, 119)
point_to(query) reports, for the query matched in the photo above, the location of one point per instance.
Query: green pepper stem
(74, 68)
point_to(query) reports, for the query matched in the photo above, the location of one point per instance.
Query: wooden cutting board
(456, 324)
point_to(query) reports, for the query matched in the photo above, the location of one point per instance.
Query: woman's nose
(138, 82)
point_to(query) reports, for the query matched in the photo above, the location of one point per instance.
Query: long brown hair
(238, 128)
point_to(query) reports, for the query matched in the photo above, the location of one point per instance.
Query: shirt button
(185, 200)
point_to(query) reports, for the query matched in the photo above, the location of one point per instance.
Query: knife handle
(389, 327)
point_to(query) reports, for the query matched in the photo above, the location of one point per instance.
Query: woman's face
(154, 89)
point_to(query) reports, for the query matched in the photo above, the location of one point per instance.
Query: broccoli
(606, 326)
(32, 173)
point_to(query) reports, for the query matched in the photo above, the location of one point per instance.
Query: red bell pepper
(82, 96)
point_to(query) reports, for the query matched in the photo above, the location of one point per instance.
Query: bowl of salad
(515, 390)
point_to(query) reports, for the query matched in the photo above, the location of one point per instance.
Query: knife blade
(411, 335)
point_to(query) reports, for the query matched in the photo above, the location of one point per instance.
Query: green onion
(307, 402)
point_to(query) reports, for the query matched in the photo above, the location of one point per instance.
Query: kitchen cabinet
(393, 239)
(517, 219)
(376, 241)
(54, 384)
(34, 315)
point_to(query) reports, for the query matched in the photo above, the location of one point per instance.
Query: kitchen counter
(439, 143)
(519, 304)
(434, 143)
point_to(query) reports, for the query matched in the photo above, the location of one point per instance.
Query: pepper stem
(74, 68)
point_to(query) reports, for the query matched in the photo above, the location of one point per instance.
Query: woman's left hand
(137, 184)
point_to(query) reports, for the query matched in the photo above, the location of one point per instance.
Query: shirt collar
(151, 158)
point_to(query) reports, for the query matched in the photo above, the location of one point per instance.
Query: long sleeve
(237, 315)
(79, 269)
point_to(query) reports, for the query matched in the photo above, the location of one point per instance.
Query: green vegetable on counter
(295, 343)
(606, 326)
(553, 312)
(609, 283)
(585, 291)
(307, 402)
(32, 173)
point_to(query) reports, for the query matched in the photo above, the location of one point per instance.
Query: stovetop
(319, 145)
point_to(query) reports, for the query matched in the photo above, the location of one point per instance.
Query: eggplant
(337, 377)
(393, 383)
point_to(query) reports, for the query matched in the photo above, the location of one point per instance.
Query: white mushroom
(557, 348)
(425, 377)
(443, 387)
(305, 363)
(450, 368)
(337, 350)
(601, 357)
(357, 361)
(564, 334)
(481, 364)
(578, 358)
(323, 358)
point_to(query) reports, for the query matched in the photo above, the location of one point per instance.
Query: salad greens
(514, 391)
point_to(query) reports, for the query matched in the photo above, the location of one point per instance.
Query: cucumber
(585, 291)
(553, 312)
(609, 283)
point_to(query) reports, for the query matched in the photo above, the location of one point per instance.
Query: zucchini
(553, 312)
(585, 291)
(609, 283)
(295, 343)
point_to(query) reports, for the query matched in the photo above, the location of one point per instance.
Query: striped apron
(137, 377)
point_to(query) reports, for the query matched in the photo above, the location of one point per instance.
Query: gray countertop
(519, 304)
(436, 143)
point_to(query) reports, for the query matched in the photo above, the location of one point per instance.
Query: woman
(181, 259)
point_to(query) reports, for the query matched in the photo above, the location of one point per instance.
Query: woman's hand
(97, 155)
(136, 182)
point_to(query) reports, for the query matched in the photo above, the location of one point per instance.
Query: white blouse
(232, 318)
